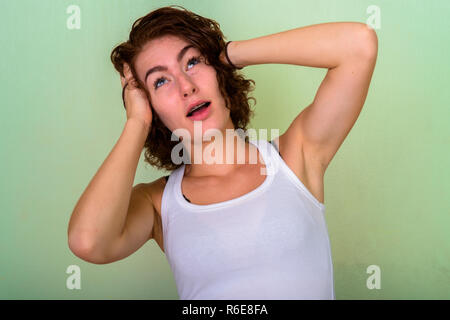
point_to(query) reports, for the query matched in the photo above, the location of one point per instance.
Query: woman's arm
(323, 45)
(348, 50)
(101, 215)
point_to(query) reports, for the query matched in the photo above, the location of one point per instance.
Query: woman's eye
(155, 84)
(194, 60)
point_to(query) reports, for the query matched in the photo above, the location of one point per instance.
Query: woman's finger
(128, 75)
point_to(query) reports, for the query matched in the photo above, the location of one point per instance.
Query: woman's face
(181, 83)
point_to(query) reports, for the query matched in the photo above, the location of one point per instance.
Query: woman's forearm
(323, 45)
(100, 214)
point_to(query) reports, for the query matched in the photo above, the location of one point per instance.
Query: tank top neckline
(268, 165)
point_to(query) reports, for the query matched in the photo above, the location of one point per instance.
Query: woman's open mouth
(200, 112)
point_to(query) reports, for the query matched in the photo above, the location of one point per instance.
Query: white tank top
(271, 243)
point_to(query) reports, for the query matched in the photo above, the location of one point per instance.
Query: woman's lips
(201, 114)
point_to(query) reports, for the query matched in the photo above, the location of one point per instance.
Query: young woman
(228, 231)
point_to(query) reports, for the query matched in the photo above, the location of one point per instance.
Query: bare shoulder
(154, 191)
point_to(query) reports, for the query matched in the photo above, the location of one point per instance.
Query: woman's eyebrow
(164, 68)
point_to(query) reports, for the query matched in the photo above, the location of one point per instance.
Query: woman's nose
(187, 86)
(185, 94)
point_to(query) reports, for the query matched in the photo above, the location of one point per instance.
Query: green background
(386, 190)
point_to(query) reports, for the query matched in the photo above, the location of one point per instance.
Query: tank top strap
(269, 154)
(168, 197)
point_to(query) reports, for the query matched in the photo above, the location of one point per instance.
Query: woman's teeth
(200, 106)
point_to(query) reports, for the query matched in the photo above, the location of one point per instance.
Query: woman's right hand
(135, 99)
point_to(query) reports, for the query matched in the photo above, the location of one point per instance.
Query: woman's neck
(219, 158)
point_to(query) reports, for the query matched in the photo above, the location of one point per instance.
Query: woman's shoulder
(155, 189)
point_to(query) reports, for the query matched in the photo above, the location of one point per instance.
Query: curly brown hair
(206, 36)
